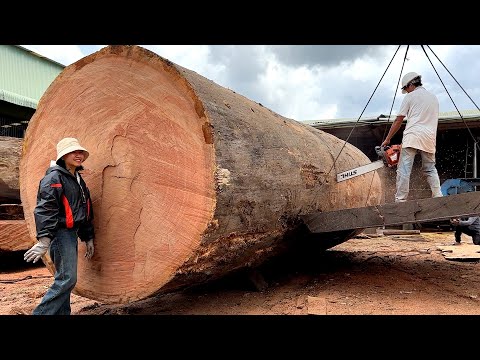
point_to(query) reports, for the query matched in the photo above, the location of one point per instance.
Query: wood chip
(316, 306)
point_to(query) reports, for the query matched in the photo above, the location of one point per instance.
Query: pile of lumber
(14, 235)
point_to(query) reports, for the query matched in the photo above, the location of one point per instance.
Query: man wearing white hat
(63, 215)
(421, 109)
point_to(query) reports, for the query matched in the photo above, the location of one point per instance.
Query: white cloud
(317, 82)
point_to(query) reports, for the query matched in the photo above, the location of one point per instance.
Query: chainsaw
(389, 156)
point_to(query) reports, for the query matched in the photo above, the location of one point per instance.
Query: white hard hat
(407, 78)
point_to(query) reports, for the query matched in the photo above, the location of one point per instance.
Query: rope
(371, 96)
(389, 114)
(351, 131)
(453, 77)
(395, 93)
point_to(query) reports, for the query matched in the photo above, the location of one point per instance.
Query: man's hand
(38, 250)
(385, 143)
(455, 221)
(90, 249)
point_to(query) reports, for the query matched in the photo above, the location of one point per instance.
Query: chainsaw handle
(389, 154)
(380, 150)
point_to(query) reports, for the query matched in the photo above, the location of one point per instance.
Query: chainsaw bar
(360, 170)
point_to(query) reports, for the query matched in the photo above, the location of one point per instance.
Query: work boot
(476, 239)
(457, 241)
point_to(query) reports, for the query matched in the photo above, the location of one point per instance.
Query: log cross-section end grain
(14, 236)
(150, 169)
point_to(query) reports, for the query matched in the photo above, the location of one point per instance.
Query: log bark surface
(10, 152)
(189, 180)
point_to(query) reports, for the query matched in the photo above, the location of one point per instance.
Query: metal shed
(24, 77)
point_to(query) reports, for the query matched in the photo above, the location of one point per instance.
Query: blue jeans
(468, 231)
(404, 169)
(64, 254)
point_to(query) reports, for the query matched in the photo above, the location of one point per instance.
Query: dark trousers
(466, 230)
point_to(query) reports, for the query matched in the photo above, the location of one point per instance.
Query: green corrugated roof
(25, 75)
(18, 99)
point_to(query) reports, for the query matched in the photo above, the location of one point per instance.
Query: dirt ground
(366, 275)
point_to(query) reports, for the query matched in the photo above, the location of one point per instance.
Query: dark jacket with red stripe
(63, 203)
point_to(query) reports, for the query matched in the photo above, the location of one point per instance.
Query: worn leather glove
(38, 250)
(90, 249)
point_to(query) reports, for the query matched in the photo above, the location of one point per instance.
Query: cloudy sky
(315, 82)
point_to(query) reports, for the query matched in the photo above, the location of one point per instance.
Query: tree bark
(189, 180)
(10, 152)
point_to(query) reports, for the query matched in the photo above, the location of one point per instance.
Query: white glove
(90, 249)
(38, 250)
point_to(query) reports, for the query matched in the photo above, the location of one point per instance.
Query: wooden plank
(387, 232)
(463, 257)
(407, 238)
(414, 211)
(460, 252)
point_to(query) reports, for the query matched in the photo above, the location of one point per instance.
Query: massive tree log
(14, 235)
(189, 180)
(10, 151)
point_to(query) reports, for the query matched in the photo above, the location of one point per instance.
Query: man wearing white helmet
(421, 109)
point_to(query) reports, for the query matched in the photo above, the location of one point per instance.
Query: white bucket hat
(67, 145)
